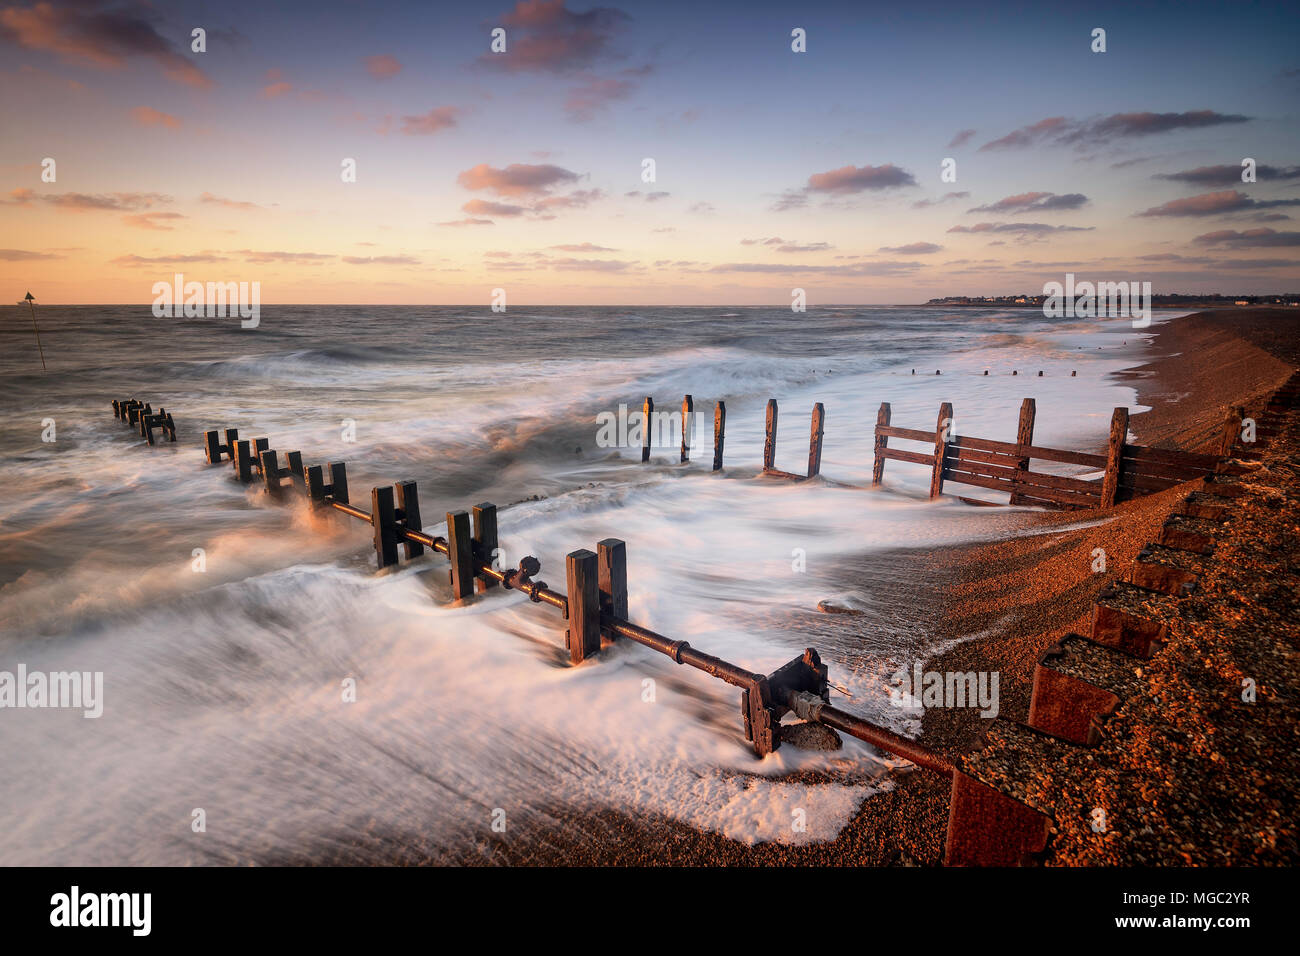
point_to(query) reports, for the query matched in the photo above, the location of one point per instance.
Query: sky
(526, 170)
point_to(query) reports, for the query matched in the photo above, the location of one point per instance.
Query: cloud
(382, 66)
(574, 200)
(1228, 175)
(946, 197)
(272, 90)
(1261, 237)
(227, 203)
(148, 116)
(856, 179)
(701, 208)
(593, 265)
(517, 179)
(594, 93)
(583, 247)
(99, 34)
(22, 255)
(20, 197)
(111, 202)
(263, 257)
(426, 124)
(913, 249)
(485, 207)
(1019, 228)
(178, 260)
(381, 260)
(468, 222)
(1215, 204)
(882, 268)
(845, 181)
(1034, 202)
(150, 220)
(961, 139)
(543, 35)
(1063, 131)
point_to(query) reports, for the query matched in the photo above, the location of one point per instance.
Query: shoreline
(1000, 603)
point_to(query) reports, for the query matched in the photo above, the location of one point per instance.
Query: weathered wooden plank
(942, 432)
(1027, 478)
(912, 434)
(898, 454)
(485, 542)
(647, 419)
(583, 578)
(460, 551)
(1153, 469)
(1169, 456)
(1114, 456)
(383, 519)
(769, 440)
(612, 558)
(338, 487)
(881, 445)
(815, 441)
(271, 472)
(408, 503)
(688, 419)
(719, 433)
(1024, 437)
(1029, 491)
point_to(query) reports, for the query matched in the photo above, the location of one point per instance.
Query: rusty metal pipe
(855, 726)
(679, 651)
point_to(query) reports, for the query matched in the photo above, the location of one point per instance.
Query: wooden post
(688, 418)
(212, 446)
(460, 550)
(941, 433)
(1114, 456)
(1231, 431)
(1024, 438)
(271, 472)
(583, 635)
(769, 443)
(815, 442)
(647, 413)
(293, 461)
(338, 489)
(383, 518)
(241, 461)
(611, 554)
(408, 504)
(485, 542)
(315, 486)
(719, 433)
(882, 442)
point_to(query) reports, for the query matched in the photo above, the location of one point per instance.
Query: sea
(269, 695)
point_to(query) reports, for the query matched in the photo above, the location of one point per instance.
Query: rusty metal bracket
(767, 699)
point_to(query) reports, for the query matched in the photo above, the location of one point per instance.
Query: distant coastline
(1173, 301)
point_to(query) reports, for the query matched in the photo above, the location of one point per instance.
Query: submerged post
(688, 420)
(719, 430)
(1114, 457)
(942, 432)
(815, 442)
(460, 550)
(583, 635)
(408, 511)
(647, 413)
(769, 442)
(882, 442)
(1024, 438)
(485, 542)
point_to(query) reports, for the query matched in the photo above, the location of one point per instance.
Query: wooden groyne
(143, 417)
(1127, 470)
